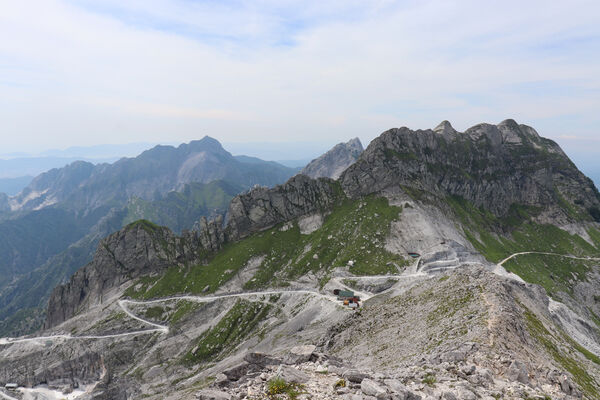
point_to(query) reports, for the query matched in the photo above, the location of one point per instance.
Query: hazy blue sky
(83, 72)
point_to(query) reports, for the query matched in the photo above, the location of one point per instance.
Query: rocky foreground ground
(307, 374)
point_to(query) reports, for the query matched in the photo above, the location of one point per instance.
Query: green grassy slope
(355, 231)
(497, 238)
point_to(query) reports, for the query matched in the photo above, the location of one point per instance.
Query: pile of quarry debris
(305, 373)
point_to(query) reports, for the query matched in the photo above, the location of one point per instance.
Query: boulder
(211, 394)
(354, 376)
(449, 396)
(221, 380)
(465, 394)
(300, 354)
(293, 375)
(370, 387)
(517, 372)
(400, 392)
(261, 359)
(568, 387)
(236, 372)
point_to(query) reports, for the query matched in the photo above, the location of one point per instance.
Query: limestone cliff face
(143, 248)
(335, 161)
(138, 249)
(492, 166)
(263, 208)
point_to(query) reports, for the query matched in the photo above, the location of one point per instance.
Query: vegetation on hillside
(355, 231)
(563, 357)
(239, 322)
(497, 238)
(179, 210)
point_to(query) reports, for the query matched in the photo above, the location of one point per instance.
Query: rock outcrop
(335, 161)
(263, 208)
(492, 166)
(141, 248)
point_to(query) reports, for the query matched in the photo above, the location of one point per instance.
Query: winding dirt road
(163, 329)
(548, 254)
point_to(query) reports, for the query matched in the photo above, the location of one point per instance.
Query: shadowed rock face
(492, 166)
(335, 161)
(263, 208)
(138, 249)
(143, 248)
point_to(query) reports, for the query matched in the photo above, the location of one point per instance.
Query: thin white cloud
(153, 70)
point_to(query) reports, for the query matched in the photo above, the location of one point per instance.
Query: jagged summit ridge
(335, 161)
(492, 166)
(445, 128)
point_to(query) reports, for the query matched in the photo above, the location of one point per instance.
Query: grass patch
(554, 273)
(184, 308)
(239, 322)
(156, 313)
(146, 225)
(497, 238)
(277, 386)
(429, 380)
(355, 231)
(539, 332)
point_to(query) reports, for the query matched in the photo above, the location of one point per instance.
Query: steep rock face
(335, 161)
(263, 208)
(138, 249)
(492, 166)
(210, 233)
(143, 248)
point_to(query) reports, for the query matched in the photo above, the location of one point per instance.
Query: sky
(88, 72)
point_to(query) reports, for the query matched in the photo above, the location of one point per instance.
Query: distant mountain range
(53, 225)
(474, 256)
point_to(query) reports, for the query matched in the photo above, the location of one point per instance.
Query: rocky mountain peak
(444, 127)
(207, 144)
(355, 144)
(335, 161)
(492, 166)
(514, 133)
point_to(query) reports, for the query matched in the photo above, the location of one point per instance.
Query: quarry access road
(71, 337)
(548, 254)
(157, 328)
(5, 396)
